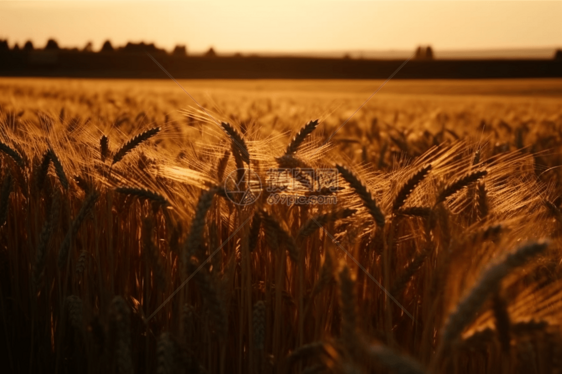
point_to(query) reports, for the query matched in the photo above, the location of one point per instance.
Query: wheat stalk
(120, 317)
(409, 186)
(166, 355)
(364, 194)
(5, 198)
(272, 224)
(104, 148)
(86, 184)
(221, 167)
(44, 238)
(301, 136)
(253, 236)
(409, 272)
(213, 300)
(74, 305)
(81, 264)
(13, 154)
(59, 170)
(482, 200)
(416, 211)
(133, 143)
(193, 242)
(501, 319)
(348, 310)
(489, 281)
(320, 220)
(152, 254)
(85, 209)
(237, 140)
(143, 193)
(43, 170)
(458, 184)
(258, 324)
(393, 361)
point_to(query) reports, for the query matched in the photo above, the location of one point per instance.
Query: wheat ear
(59, 170)
(314, 223)
(193, 242)
(166, 355)
(104, 147)
(120, 317)
(212, 297)
(416, 211)
(364, 194)
(43, 170)
(489, 281)
(74, 305)
(326, 274)
(81, 264)
(85, 209)
(408, 187)
(187, 320)
(237, 141)
(348, 310)
(143, 193)
(482, 200)
(13, 154)
(44, 238)
(133, 143)
(394, 361)
(151, 253)
(458, 184)
(409, 272)
(221, 167)
(272, 224)
(301, 135)
(306, 351)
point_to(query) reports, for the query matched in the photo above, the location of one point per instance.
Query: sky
(287, 26)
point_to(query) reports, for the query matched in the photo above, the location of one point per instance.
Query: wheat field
(121, 251)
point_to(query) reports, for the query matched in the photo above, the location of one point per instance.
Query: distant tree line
(421, 53)
(52, 45)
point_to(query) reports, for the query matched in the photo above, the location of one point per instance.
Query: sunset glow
(288, 26)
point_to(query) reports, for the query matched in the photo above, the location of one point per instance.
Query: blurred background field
(271, 101)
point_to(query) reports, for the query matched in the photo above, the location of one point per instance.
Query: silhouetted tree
(4, 45)
(210, 53)
(424, 53)
(429, 53)
(558, 55)
(88, 47)
(141, 48)
(107, 47)
(28, 46)
(180, 50)
(52, 45)
(420, 54)
(16, 47)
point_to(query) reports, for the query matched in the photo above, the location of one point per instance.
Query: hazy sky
(268, 25)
